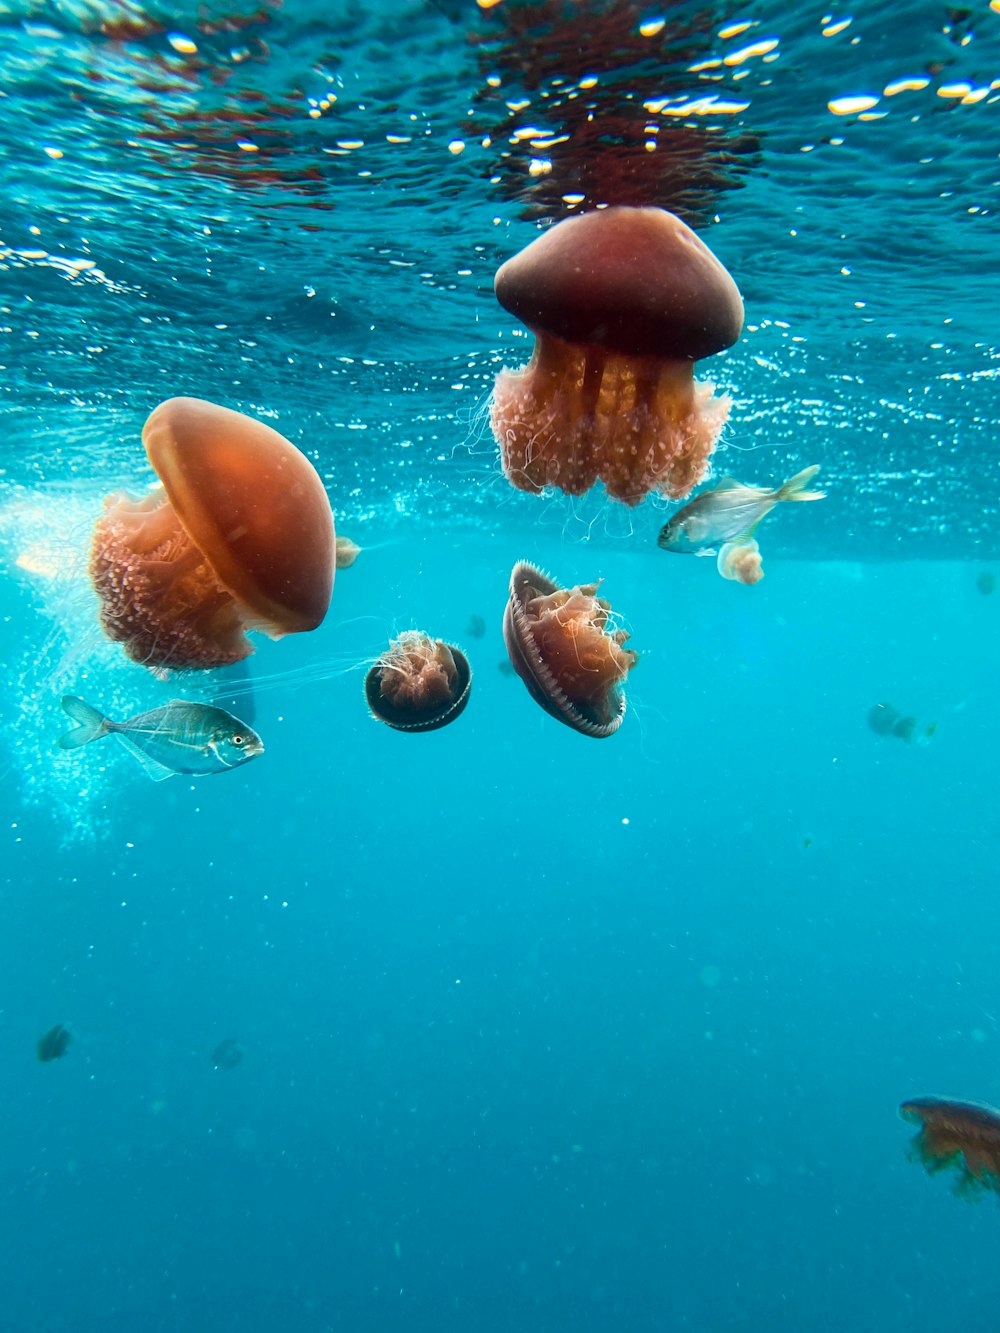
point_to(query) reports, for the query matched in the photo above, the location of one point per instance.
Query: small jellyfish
(560, 645)
(347, 552)
(228, 1054)
(476, 628)
(622, 302)
(419, 683)
(741, 561)
(238, 536)
(986, 582)
(961, 1135)
(54, 1044)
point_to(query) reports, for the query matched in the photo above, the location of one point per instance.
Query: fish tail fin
(92, 723)
(795, 487)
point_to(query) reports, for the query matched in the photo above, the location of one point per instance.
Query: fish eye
(238, 739)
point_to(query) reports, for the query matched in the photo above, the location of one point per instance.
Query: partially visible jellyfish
(54, 1044)
(347, 552)
(741, 561)
(419, 683)
(561, 645)
(622, 302)
(962, 1135)
(882, 718)
(885, 720)
(227, 1055)
(239, 536)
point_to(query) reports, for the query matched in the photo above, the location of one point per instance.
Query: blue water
(538, 1033)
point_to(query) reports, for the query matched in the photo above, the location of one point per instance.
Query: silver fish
(728, 512)
(180, 737)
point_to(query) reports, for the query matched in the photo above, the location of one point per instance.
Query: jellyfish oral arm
(582, 413)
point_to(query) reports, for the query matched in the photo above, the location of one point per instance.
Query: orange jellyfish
(560, 645)
(741, 561)
(419, 683)
(963, 1135)
(622, 302)
(238, 536)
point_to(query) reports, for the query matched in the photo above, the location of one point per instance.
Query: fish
(181, 737)
(729, 512)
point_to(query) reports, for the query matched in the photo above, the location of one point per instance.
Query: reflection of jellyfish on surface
(239, 536)
(561, 647)
(962, 1135)
(622, 303)
(419, 683)
(636, 135)
(741, 561)
(54, 1044)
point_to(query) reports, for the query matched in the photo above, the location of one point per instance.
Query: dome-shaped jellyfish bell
(238, 536)
(622, 302)
(419, 683)
(561, 646)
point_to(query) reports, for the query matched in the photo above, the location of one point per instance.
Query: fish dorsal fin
(151, 767)
(728, 484)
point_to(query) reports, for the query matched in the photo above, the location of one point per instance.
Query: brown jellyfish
(419, 683)
(963, 1135)
(622, 302)
(561, 647)
(238, 536)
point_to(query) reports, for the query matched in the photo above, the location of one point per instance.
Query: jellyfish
(622, 302)
(741, 561)
(347, 552)
(238, 536)
(227, 1055)
(986, 582)
(963, 1135)
(885, 720)
(419, 683)
(561, 646)
(54, 1044)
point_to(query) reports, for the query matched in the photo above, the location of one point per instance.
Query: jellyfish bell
(419, 683)
(238, 536)
(560, 645)
(622, 302)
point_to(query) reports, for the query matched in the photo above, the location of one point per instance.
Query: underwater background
(531, 1032)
